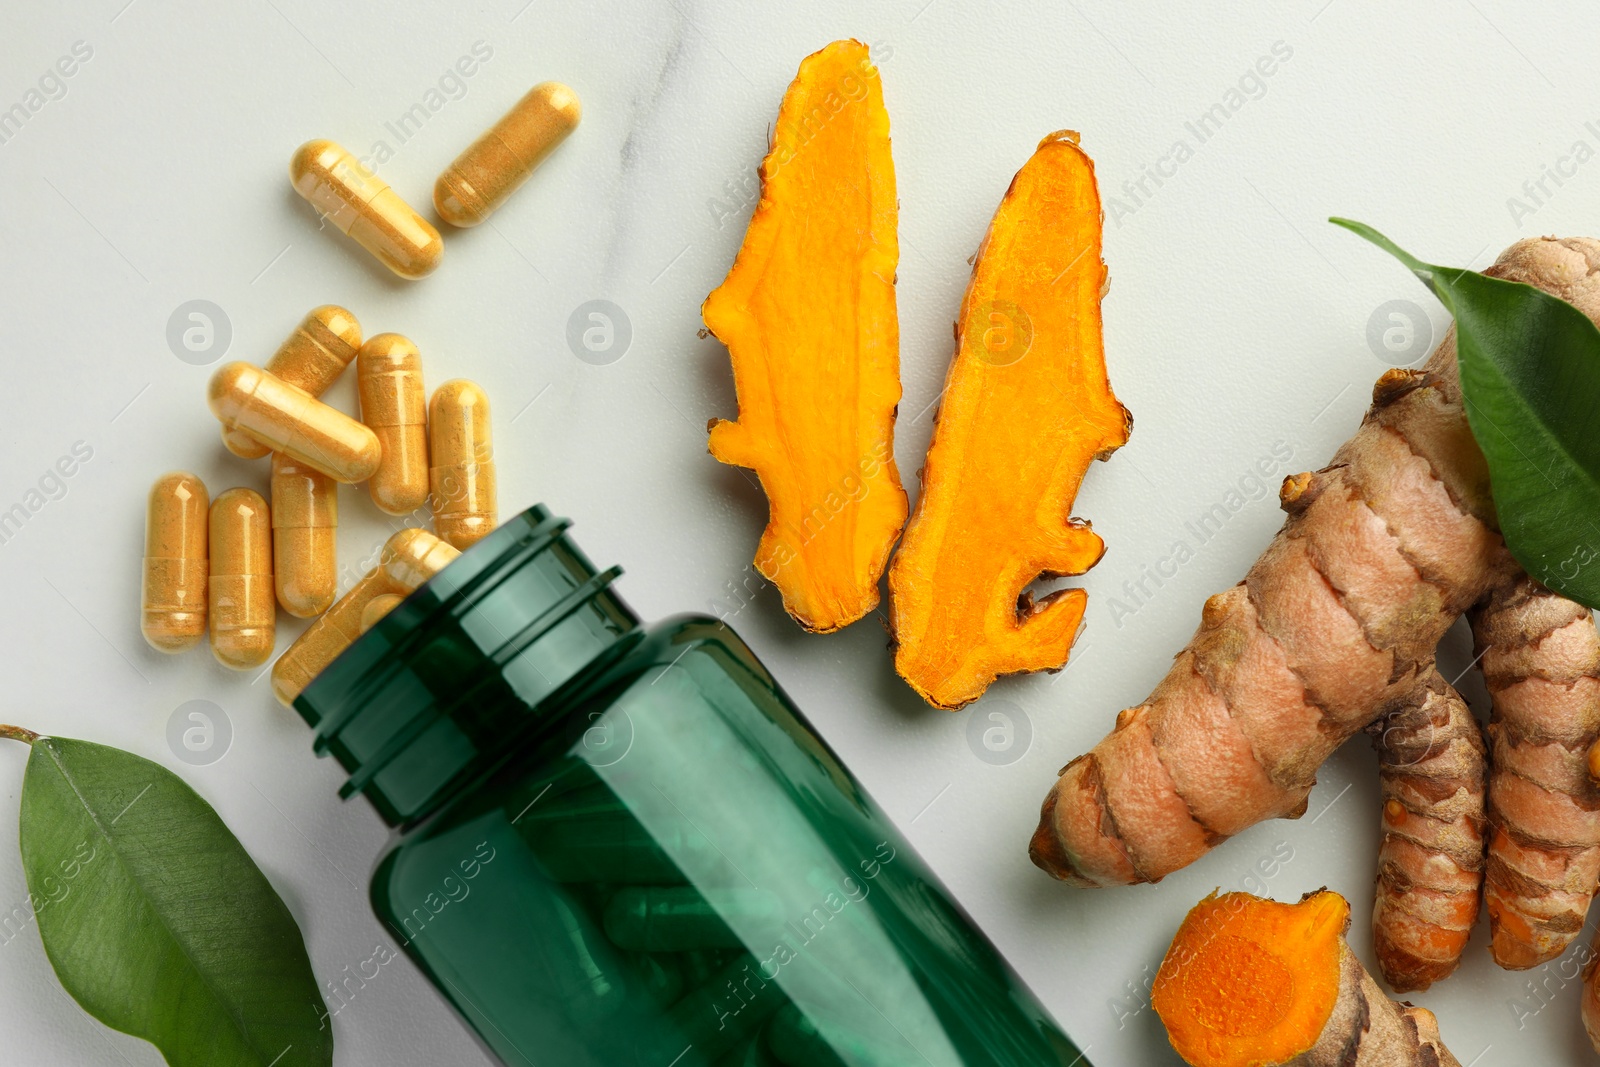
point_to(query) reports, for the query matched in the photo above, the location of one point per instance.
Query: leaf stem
(17, 733)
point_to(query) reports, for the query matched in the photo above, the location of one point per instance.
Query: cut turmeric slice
(1026, 406)
(808, 315)
(1249, 982)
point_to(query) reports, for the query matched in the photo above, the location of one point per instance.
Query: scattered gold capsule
(362, 205)
(394, 404)
(305, 520)
(497, 163)
(312, 359)
(408, 559)
(173, 598)
(243, 615)
(377, 608)
(289, 420)
(461, 451)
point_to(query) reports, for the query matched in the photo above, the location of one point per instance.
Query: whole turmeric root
(1253, 983)
(1338, 619)
(1336, 623)
(1541, 661)
(1430, 865)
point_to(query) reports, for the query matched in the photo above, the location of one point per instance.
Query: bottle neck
(468, 667)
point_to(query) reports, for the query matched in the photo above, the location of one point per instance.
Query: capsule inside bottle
(461, 451)
(360, 204)
(173, 596)
(305, 520)
(408, 559)
(242, 609)
(497, 163)
(288, 420)
(311, 360)
(394, 404)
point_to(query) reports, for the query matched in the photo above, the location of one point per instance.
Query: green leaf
(156, 919)
(1530, 374)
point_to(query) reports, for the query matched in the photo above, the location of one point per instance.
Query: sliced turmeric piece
(1026, 406)
(808, 315)
(1249, 982)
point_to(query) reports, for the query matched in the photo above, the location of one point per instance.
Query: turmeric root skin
(1338, 619)
(1541, 660)
(1430, 866)
(1335, 624)
(1589, 1006)
(1253, 983)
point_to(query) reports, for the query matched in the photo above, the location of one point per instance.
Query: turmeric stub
(808, 315)
(1249, 982)
(1026, 406)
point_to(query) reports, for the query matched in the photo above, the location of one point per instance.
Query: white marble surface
(1237, 319)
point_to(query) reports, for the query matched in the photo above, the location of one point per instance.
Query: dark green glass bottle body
(621, 845)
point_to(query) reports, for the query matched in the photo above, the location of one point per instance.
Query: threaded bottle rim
(466, 667)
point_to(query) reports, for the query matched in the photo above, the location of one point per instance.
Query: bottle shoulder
(678, 635)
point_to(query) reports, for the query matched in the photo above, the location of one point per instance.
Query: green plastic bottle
(620, 845)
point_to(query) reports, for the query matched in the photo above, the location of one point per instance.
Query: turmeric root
(1337, 619)
(1541, 661)
(1335, 623)
(1253, 983)
(1589, 1005)
(1430, 865)
(1026, 406)
(808, 315)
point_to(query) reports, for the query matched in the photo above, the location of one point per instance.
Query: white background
(1237, 318)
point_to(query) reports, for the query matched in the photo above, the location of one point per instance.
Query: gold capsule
(243, 615)
(408, 559)
(312, 359)
(173, 599)
(461, 452)
(378, 607)
(394, 404)
(360, 204)
(413, 556)
(289, 420)
(305, 521)
(497, 163)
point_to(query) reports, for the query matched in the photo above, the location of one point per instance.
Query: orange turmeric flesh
(1250, 981)
(808, 315)
(1026, 406)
